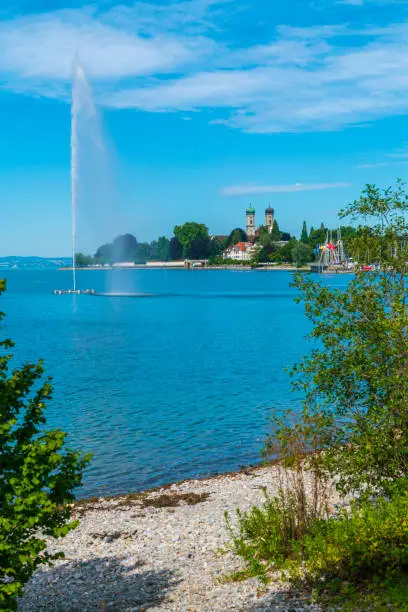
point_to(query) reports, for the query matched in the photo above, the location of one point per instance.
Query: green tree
(125, 248)
(237, 235)
(163, 248)
(143, 252)
(216, 248)
(194, 239)
(264, 238)
(317, 237)
(268, 246)
(104, 254)
(83, 260)
(284, 254)
(302, 254)
(348, 232)
(261, 255)
(153, 250)
(276, 235)
(38, 476)
(304, 235)
(200, 248)
(175, 249)
(357, 372)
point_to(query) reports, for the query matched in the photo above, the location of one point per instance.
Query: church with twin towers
(251, 230)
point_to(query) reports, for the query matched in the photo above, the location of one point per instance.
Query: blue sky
(206, 105)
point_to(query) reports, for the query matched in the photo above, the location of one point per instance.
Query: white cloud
(397, 157)
(234, 190)
(401, 153)
(41, 48)
(161, 58)
(364, 2)
(377, 165)
(190, 16)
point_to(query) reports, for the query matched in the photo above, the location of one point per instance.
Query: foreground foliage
(353, 430)
(357, 371)
(37, 476)
(362, 552)
(371, 538)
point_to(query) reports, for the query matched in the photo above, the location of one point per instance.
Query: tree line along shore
(193, 242)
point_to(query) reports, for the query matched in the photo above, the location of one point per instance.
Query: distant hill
(15, 261)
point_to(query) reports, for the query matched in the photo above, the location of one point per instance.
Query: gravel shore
(159, 551)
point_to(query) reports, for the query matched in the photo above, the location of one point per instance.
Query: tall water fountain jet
(74, 170)
(82, 106)
(95, 218)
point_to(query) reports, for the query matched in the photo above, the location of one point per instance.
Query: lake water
(161, 388)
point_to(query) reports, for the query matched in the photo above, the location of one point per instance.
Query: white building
(243, 251)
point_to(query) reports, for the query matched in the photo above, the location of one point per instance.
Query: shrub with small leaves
(37, 476)
(359, 551)
(264, 537)
(267, 536)
(357, 560)
(371, 538)
(356, 370)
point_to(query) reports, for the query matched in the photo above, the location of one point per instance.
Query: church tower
(250, 222)
(269, 218)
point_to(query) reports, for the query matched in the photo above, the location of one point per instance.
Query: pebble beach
(160, 550)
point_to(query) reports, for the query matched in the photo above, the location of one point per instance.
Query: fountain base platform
(74, 291)
(111, 294)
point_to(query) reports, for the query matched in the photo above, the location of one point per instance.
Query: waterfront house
(242, 251)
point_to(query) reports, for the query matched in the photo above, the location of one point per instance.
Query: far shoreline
(232, 268)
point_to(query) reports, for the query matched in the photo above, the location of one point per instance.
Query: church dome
(269, 211)
(250, 210)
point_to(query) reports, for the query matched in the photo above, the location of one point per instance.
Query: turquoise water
(173, 386)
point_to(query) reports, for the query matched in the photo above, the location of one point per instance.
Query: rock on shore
(159, 551)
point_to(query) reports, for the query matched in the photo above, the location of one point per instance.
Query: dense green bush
(37, 476)
(302, 254)
(371, 538)
(364, 547)
(265, 536)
